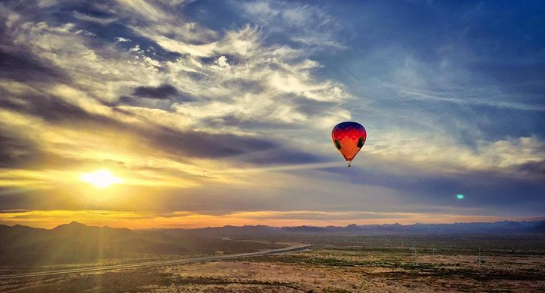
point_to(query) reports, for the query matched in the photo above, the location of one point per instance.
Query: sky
(212, 113)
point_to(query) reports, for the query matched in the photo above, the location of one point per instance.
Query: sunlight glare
(101, 178)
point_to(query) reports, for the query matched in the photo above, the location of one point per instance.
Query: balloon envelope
(348, 138)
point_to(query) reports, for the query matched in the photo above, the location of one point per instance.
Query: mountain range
(79, 243)
(537, 226)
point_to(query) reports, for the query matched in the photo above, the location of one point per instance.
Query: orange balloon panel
(348, 138)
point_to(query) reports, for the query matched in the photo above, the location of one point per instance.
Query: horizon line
(531, 219)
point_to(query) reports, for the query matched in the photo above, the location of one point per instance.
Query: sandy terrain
(320, 270)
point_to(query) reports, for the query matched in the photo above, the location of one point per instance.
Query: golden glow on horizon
(101, 178)
(187, 220)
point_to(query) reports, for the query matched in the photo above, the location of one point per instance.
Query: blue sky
(220, 112)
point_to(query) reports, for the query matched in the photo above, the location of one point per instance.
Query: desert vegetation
(347, 264)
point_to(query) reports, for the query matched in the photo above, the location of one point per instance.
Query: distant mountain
(309, 229)
(455, 228)
(78, 243)
(20, 235)
(540, 227)
(224, 231)
(74, 243)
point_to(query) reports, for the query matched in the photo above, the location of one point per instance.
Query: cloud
(102, 20)
(170, 93)
(308, 25)
(163, 139)
(204, 144)
(279, 156)
(96, 68)
(164, 91)
(26, 68)
(535, 168)
(15, 150)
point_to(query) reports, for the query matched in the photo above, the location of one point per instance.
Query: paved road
(153, 263)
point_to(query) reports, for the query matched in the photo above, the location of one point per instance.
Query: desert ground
(349, 264)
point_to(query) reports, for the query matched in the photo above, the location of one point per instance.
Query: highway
(152, 263)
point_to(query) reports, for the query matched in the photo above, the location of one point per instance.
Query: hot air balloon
(348, 138)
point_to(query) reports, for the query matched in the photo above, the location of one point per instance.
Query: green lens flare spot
(460, 196)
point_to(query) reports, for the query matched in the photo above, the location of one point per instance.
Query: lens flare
(460, 196)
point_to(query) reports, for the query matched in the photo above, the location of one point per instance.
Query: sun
(101, 178)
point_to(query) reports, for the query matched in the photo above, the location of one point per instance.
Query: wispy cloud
(179, 96)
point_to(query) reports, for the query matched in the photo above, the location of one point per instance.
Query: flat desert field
(353, 266)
